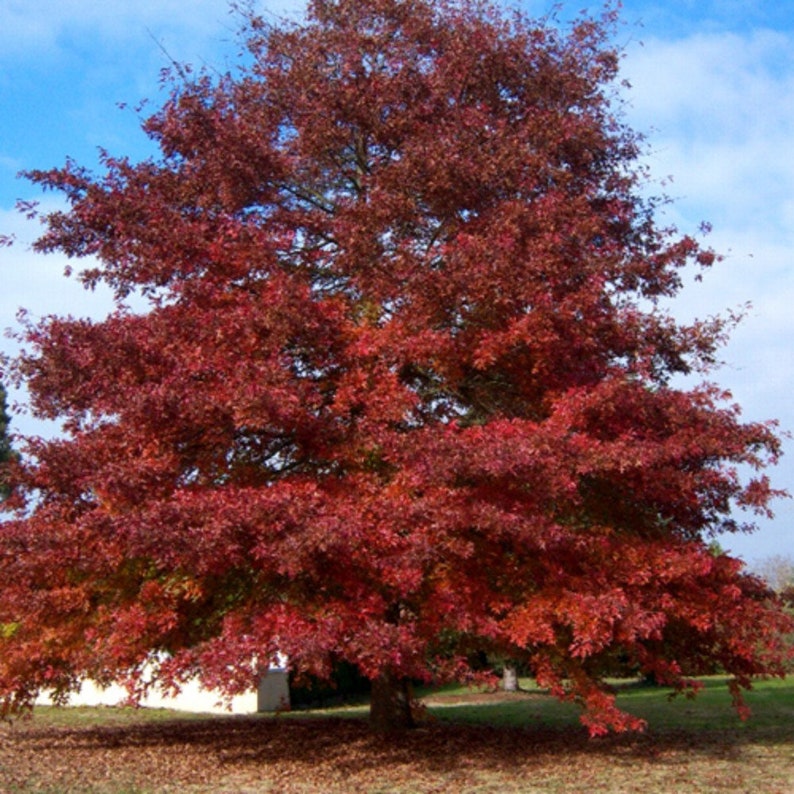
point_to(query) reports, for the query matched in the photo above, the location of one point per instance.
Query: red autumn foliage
(403, 390)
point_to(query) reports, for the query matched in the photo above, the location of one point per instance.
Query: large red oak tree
(403, 392)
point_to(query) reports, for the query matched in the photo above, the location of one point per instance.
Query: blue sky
(712, 87)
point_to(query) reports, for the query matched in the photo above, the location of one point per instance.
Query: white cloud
(722, 111)
(35, 282)
(719, 112)
(718, 79)
(722, 107)
(29, 28)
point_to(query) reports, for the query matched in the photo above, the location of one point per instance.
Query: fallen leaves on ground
(285, 755)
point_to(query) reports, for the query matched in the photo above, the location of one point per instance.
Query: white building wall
(272, 695)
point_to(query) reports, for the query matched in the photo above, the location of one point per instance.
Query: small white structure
(272, 695)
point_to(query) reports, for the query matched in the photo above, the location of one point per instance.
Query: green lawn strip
(103, 716)
(771, 702)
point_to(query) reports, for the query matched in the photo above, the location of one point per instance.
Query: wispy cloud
(719, 112)
(31, 30)
(37, 283)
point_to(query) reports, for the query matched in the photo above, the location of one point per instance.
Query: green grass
(771, 702)
(104, 716)
(469, 742)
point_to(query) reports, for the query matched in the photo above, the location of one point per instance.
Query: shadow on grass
(499, 740)
(343, 745)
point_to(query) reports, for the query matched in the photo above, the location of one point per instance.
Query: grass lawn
(467, 742)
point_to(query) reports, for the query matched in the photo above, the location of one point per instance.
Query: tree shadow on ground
(151, 751)
(341, 744)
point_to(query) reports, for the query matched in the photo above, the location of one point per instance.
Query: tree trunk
(510, 678)
(390, 706)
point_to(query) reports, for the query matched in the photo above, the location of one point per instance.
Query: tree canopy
(404, 391)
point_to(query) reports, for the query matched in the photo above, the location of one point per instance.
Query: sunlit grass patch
(469, 741)
(771, 702)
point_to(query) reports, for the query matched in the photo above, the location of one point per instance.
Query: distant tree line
(778, 572)
(6, 451)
